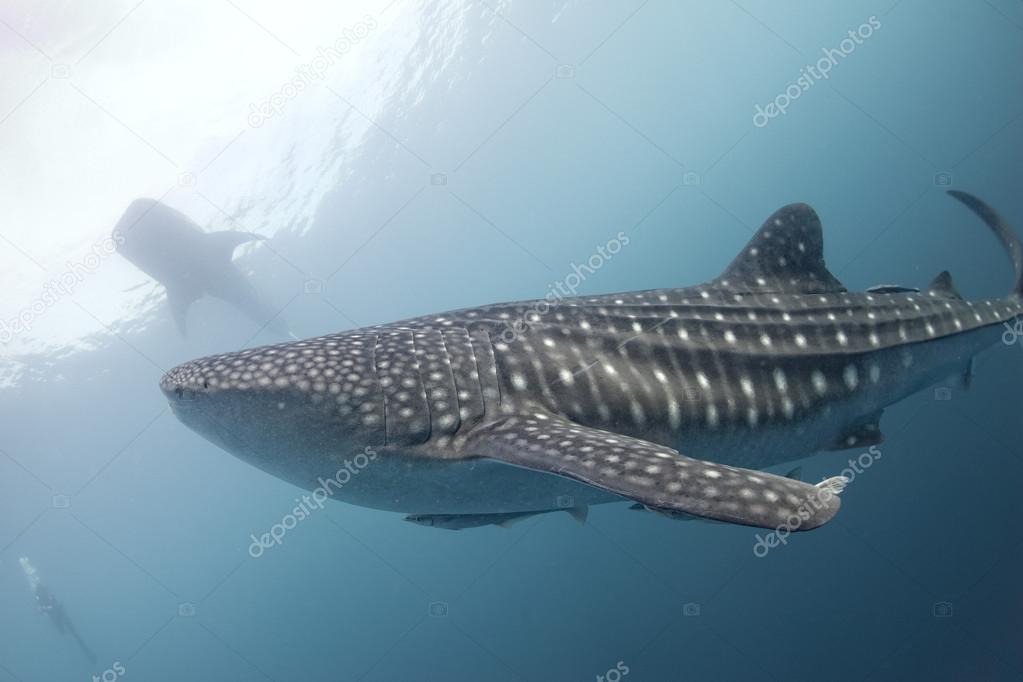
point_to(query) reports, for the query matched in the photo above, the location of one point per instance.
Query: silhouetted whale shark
(670, 398)
(169, 247)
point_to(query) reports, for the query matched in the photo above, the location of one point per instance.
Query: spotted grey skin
(189, 263)
(672, 398)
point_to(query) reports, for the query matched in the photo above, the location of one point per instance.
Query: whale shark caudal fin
(1002, 230)
(653, 475)
(785, 255)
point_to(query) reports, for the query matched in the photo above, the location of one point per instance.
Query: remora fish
(462, 521)
(670, 398)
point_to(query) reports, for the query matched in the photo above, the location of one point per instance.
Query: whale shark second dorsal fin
(786, 255)
(944, 287)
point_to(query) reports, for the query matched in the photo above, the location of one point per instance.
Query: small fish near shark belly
(589, 401)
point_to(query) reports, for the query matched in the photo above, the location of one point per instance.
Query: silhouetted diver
(49, 605)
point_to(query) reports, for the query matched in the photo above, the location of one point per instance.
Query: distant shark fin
(649, 473)
(943, 286)
(796, 474)
(1002, 230)
(785, 256)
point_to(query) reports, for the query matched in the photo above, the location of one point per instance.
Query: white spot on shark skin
(820, 384)
(712, 416)
(843, 340)
(519, 381)
(800, 340)
(875, 373)
(730, 337)
(851, 377)
(780, 380)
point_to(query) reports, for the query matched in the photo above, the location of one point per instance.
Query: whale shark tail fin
(1002, 230)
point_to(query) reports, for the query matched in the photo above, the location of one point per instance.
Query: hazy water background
(539, 167)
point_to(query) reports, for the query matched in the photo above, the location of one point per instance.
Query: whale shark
(169, 247)
(673, 399)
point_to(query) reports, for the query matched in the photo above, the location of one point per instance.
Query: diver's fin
(863, 432)
(892, 289)
(785, 255)
(1002, 230)
(651, 474)
(944, 287)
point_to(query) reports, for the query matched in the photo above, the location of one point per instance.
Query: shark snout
(184, 384)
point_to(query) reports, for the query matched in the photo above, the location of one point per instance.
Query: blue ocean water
(460, 153)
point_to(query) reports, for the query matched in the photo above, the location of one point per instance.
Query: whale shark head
(323, 393)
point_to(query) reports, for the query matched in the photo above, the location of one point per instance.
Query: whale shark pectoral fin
(221, 245)
(651, 474)
(785, 256)
(179, 303)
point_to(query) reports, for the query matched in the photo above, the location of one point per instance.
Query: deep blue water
(508, 141)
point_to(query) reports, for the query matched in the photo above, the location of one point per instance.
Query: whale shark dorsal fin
(786, 255)
(651, 474)
(944, 287)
